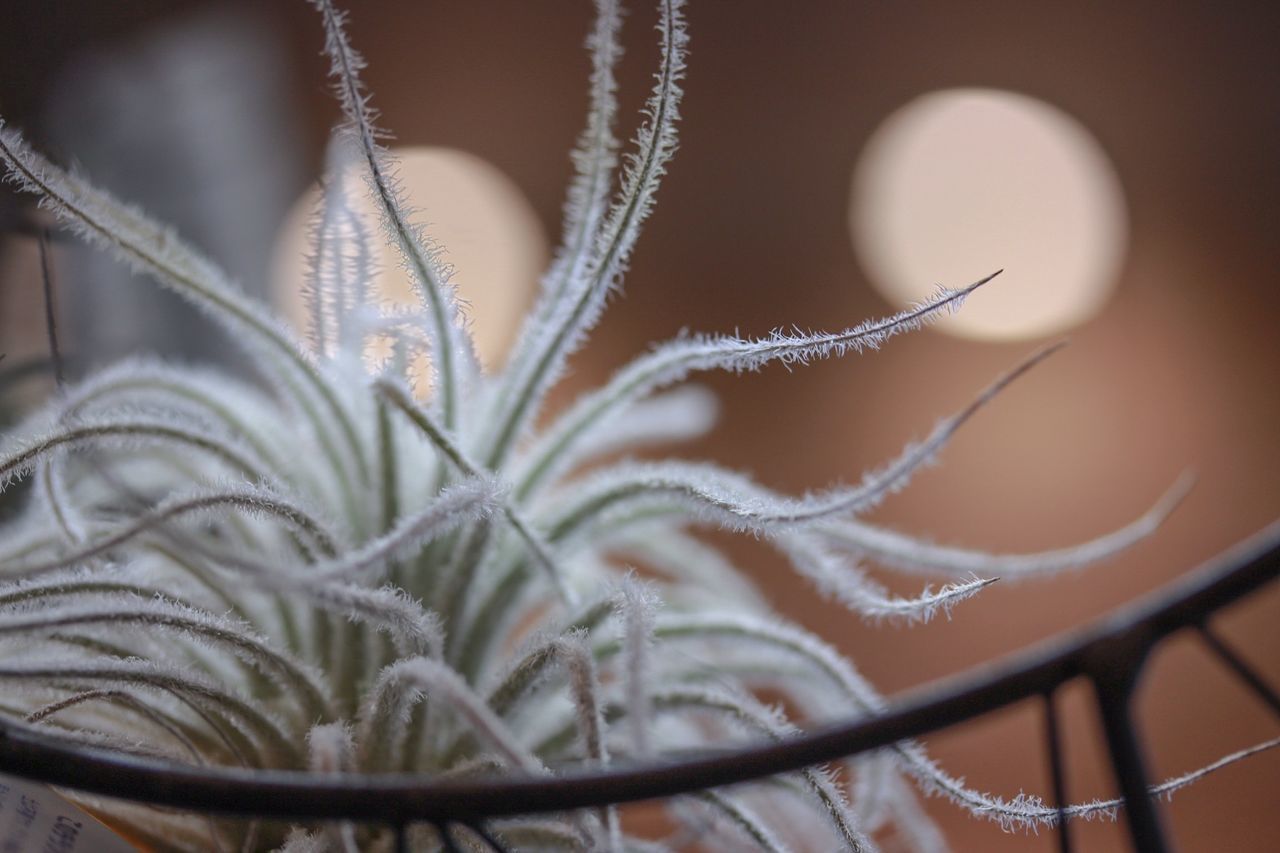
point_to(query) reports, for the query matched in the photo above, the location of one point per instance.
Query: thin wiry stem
(204, 393)
(257, 726)
(246, 499)
(747, 711)
(538, 549)
(52, 492)
(906, 553)
(737, 503)
(469, 500)
(673, 361)
(746, 820)
(1166, 788)
(399, 685)
(174, 728)
(637, 610)
(846, 583)
(121, 432)
(454, 360)
(917, 830)
(581, 303)
(531, 669)
(594, 160)
(336, 289)
(388, 608)
(301, 682)
(331, 749)
(77, 584)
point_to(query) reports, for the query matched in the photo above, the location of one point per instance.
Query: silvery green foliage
(330, 574)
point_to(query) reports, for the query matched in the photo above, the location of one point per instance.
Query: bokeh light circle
(961, 182)
(485, 227)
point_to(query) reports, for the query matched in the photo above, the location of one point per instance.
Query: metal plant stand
(1110, 654)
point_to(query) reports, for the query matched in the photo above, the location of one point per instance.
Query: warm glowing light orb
(961, 182)
(487, 229)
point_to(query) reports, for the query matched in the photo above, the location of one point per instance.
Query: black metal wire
(1057, 770)
(1113, 686)
(1237, 665)
(1110, 654)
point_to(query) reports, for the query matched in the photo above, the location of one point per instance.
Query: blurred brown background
(1180, 371)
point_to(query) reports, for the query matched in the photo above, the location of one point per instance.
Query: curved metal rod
(1116, 643)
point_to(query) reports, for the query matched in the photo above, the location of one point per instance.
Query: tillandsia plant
(321, 570)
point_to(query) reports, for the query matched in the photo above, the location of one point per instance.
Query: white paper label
(35, 819)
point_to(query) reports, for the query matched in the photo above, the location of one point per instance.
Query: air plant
(321, 570)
